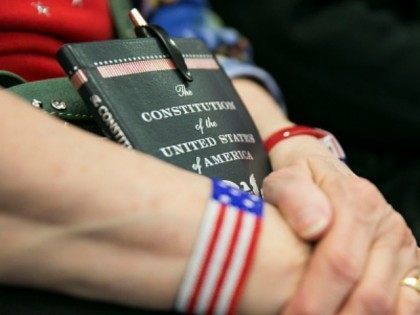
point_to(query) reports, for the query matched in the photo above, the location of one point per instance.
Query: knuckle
(377, 300)
(272, 178)
(308, 306)
(268, 180)
(397, 223)
(280, 186)
(343, 266)
(275, 176)
(365, 191)
(401, 231)
(269, 187)
(370, 206)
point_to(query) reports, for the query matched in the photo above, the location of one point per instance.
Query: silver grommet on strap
(36, 103)
(59, 105)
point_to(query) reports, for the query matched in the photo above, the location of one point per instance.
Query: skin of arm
(88, 190)
(83, 216)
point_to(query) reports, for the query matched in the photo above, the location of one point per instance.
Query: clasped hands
(362, 246)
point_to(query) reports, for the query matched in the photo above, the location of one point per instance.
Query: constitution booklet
(139, 100)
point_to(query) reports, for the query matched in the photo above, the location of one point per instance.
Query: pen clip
(143, 29)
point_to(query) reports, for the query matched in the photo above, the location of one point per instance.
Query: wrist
(273, 276)
(280, 261)
(297, 148)
(302, 142)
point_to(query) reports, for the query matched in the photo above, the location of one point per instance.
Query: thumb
(303, 204)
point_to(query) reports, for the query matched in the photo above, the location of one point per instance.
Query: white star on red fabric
(41, 9)
(77, 3)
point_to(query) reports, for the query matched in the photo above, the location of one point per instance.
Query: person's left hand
(366, 246)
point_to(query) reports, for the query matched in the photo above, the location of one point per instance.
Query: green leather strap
(46, 92)
(8, 79)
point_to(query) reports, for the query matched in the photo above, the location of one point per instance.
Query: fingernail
(315, 228)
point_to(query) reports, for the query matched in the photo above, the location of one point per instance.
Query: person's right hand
(366, 247)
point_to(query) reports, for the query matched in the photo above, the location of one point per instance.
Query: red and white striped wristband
(223, 253)
(326, 137)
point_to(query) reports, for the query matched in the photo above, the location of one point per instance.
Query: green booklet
(140, 100)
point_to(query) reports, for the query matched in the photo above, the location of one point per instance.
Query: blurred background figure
(352, 67)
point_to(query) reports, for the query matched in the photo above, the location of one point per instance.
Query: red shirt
(31, 32)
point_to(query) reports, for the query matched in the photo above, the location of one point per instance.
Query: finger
(339, 260)
(409, 300)
(302, 203)
(392, 255)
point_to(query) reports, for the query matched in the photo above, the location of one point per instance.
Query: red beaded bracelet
(326, 137)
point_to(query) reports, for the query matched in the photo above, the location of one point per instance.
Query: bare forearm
(265, 112)
(62, 189)
(96, 220)
(47, 165)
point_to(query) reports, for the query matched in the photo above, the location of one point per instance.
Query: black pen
(144, 30)
(139, 23)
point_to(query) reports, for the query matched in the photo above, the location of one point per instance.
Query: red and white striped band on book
(144, 66)
(112, 69)
(223, 253)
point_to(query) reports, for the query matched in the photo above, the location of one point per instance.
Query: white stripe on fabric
(196, 261)
(217, 259)
(236, 266)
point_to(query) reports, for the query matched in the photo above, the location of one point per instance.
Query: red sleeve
(32, 31)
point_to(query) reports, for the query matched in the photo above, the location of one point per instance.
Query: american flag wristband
(223, 253)
(326, 137)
